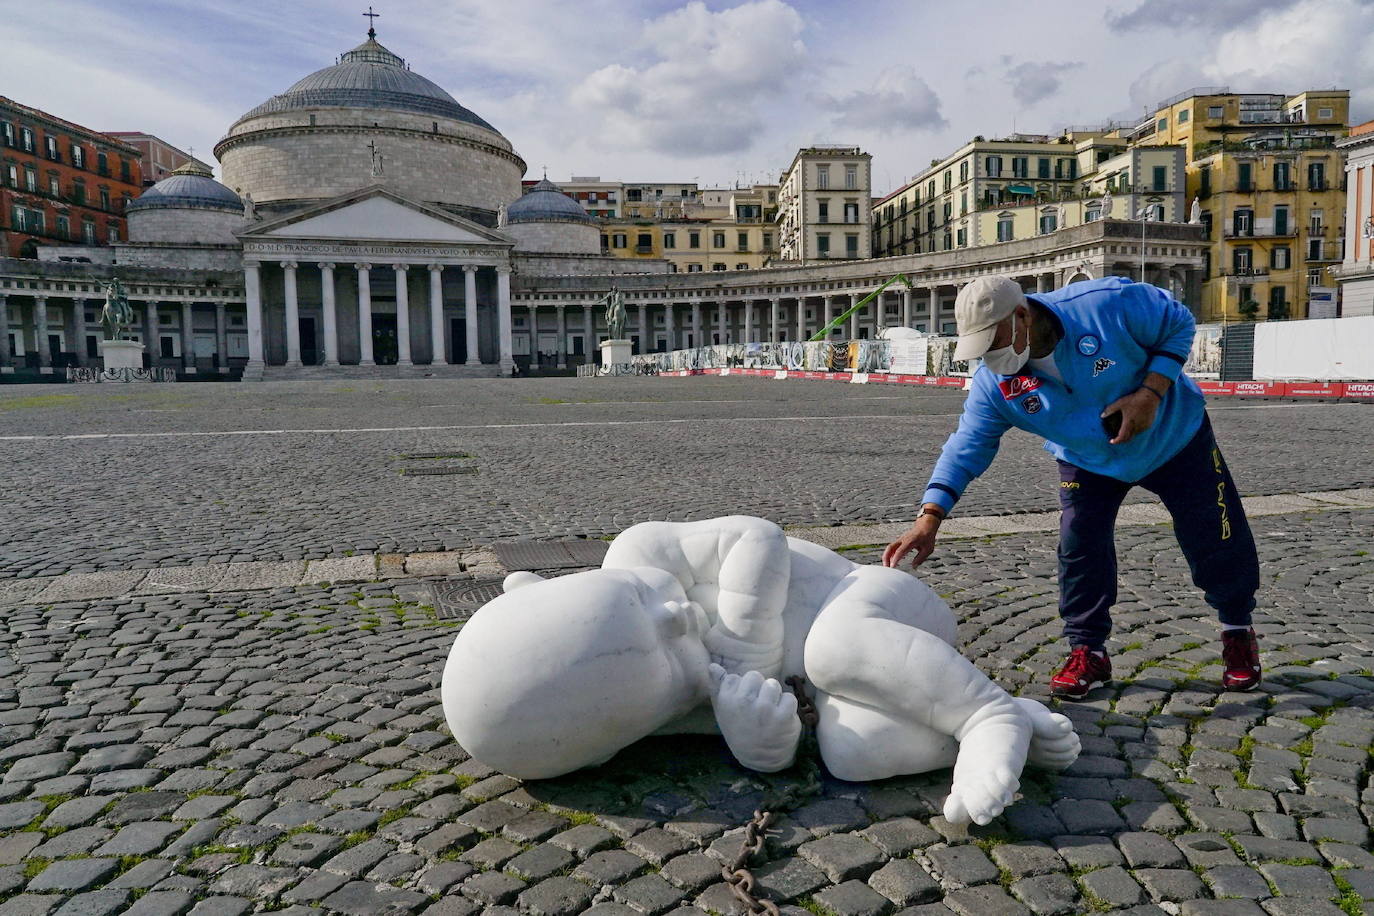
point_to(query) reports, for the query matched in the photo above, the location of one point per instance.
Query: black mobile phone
(1112, 424)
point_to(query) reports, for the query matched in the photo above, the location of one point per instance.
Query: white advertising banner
(1328, 349)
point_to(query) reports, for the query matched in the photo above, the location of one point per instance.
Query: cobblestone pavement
(284, 750)
(178, 483)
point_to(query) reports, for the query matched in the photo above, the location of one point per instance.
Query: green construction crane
(824, 332)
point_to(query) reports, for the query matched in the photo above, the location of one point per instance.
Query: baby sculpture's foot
(1054, 744)
(757, 717)
(980, 796)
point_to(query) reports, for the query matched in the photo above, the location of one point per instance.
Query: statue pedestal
(616, 352)
(122, 354)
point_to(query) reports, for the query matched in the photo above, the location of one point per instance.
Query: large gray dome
(546, 201)
(191, 186)
(369, 76)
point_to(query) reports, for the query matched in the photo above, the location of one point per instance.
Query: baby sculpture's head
(559, 674)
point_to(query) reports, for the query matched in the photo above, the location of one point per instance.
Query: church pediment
(376, 215)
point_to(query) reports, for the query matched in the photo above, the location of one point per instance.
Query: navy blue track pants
(1209, 522)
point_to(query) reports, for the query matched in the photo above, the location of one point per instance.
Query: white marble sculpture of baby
(693, 627)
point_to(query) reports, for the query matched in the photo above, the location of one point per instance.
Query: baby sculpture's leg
(864, 650)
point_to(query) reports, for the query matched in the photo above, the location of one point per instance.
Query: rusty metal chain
(737, 875)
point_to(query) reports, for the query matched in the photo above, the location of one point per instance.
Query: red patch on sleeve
(1018, 385)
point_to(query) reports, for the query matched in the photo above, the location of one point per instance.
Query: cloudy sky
(715, 92)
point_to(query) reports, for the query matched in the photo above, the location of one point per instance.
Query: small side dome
(191, 186)
(546, 201)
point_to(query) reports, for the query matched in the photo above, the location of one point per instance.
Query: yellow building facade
(1269, 181)
(714, 230)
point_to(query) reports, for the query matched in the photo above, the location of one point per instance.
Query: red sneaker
(1240, 653)
(1084, 671)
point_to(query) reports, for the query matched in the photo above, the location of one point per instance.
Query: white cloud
(1033, 82)
(705, 84)
(899, 100)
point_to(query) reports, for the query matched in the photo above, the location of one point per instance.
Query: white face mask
(1008, 360)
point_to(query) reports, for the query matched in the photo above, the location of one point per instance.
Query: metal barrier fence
(923, 356)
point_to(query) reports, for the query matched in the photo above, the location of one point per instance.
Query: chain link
(736, 872)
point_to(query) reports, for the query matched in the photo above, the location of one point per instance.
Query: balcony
(644, 249)
(1316, 230)
(1244, 272)
(1288, 233)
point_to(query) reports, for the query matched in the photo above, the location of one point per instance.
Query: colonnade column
(40, 332)
(773, 319)
(645, 332)
(534, 336)
(252, 294)
(722, 325)
(1042, 283)
(801, 319)
(78, 331)
(906, 307)
(402, 314)
(150, 336)
(670, 325)
(293, 321)
(748, 320)
(879, 313)
(331, 317)
(365, 315)
(471, 357)
(934, 309)
(221, 336)
(438, 356)
(854, 319)
(503, 318)
(589, 340)
(562, 348)
(188, 339)
(6, 357)
(696, 324)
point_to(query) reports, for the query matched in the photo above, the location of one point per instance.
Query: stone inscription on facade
(379, 251)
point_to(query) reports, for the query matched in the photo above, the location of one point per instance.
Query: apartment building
(61, 183)
(825, 205)
(721, 229)
(1356, 272)
(159, 157)
(1269, 177)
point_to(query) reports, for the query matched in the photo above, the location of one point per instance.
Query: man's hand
(920, 538)
(1137, 414)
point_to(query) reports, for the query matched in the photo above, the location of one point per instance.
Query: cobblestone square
(221, 655)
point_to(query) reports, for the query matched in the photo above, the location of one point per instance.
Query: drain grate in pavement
(436, 472)
(459, 600)
(418, 456)
(550, 554)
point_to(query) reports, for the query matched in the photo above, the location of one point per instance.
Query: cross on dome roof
(371, 22)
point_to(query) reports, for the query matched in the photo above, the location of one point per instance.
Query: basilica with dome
(367, 223)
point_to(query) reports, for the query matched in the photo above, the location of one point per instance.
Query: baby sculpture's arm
(735, 567)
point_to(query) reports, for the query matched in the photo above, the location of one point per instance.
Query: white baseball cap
(979, 308)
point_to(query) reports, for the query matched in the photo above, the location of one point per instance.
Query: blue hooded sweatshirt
(1115, 332)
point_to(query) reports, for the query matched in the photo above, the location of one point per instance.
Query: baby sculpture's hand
(757, 717)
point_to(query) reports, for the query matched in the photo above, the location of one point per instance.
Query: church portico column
(293, 322)
(331, 322)
(365, 315)
(402, 314)
(6, 357)
(252, 292)
(562, 349)
(436, 315)
(471, 357)
(221, 336)
(188, 339)
(504, 319)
